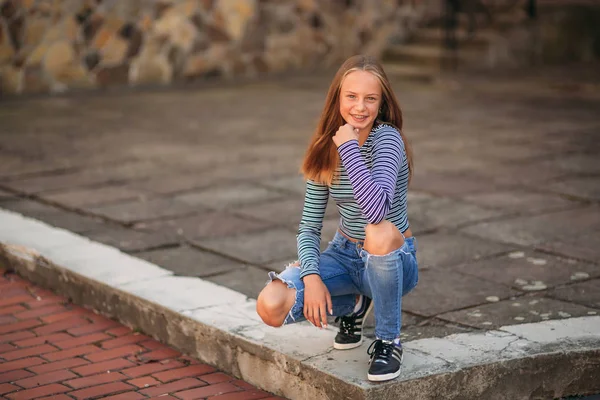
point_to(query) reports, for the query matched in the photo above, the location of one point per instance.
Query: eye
(351, 96)
(371, 98)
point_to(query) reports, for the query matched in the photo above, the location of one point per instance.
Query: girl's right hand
(317, 301)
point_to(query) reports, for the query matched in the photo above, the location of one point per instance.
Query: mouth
(359, 118)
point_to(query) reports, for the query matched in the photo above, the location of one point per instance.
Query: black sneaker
(351, 326)
(385, 362)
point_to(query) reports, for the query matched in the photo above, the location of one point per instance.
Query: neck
(363, 134)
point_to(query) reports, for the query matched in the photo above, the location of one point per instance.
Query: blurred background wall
(53, 45)
(58, 45)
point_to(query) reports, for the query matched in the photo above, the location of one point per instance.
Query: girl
(360, 157)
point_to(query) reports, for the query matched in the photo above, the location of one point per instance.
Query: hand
(317, 301)
(345, 133)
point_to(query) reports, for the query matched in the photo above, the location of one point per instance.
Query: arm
(309, 230)
(374, 190)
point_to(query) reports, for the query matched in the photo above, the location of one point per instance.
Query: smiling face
(360, 99)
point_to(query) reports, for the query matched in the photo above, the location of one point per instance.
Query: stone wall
(59, 45)
(565, 31)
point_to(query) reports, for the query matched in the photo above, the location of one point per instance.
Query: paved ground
(51, 349)
(505, 201)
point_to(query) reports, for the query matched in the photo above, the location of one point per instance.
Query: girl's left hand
(344, 134)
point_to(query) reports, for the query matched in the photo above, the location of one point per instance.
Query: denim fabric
(347, 270)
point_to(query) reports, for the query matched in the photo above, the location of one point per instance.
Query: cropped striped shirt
(372, 185)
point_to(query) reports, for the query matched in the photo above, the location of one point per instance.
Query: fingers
(316, 315)
(329, 303)
(323, 312)
(311, 314)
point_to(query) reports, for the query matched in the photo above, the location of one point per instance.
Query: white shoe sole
(386, 377)
(348, 346)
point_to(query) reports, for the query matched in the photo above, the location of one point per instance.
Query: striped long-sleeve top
(372, 186)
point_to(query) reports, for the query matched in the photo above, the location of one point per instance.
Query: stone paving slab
(520, 310)
(521, 201)
(508, 162)
(95, 175)
(73, 222)
(188, 261)
(209, 224)
(286, 211)
(188, 312)
(131, 212)
(132, 240)
(447, 213)
(255, 248)
(449, 290)
(528, 231)
(585, 188)
(530, 271)
(451, 184)
(104, 194)
(586, 293)
(581, 247)
(65, 351)
(4, 195)
(228, 197)
(248, 280)
(293, 184)
(446, 249)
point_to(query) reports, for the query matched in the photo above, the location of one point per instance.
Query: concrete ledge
(219, 326)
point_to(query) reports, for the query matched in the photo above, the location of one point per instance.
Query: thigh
(334, 269)
(406, 259)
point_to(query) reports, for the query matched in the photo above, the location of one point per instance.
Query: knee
(271, 304)
(382, 238)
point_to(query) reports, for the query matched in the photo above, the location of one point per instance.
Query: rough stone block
(117, 269)
(181, 293)
(230, 317)
(558, 330)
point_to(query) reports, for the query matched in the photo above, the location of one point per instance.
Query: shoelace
(380, 351)
(347, 324)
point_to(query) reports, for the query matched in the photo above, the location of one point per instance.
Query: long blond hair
(321, 159)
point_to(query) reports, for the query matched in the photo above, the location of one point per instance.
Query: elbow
(378, 214)
(376, 217)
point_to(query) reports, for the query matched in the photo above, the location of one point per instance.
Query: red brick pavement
(50, 349)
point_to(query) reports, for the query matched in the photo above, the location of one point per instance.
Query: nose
(360, 105)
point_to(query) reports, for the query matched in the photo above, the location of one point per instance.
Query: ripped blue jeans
(348, 270)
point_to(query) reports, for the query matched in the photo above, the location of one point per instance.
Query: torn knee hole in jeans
(290, 315)
(294, 264)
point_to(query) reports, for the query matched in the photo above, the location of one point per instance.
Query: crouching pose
(360, 156)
